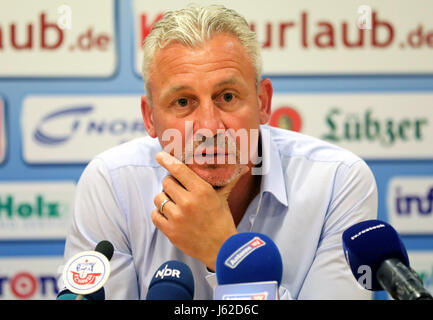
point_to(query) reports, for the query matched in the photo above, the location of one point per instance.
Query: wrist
(211, 261)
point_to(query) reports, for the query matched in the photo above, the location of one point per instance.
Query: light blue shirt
(311, 191)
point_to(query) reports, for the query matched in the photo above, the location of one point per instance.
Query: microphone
(377, 256)
(173, 280)
(86, 272)
(248, 266)
(68, 295)
(106, 248)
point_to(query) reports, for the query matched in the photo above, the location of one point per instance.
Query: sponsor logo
(25, 285)
(263, 290)
(286, 118)
(367, 230)
(348, 40)
(2, 132)
(39, 207)
(246, 296)
(29, 278)
(76, 119)
(410, 204)
(167, 272)
(75, 129)
(373, 126)
(74, 113)
(358, 126)
(86, 272)
(54, 40)
(244, 251)
(35, 209)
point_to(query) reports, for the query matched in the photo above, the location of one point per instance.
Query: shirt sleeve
(354, 200)
(97, 216)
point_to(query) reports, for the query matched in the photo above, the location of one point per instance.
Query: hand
(197, 220)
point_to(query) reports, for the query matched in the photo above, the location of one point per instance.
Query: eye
(228, 97)
(183, 102)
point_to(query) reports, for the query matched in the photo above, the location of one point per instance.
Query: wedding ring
(161, 206)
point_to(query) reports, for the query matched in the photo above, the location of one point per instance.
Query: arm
(97, 216)
(354, 199)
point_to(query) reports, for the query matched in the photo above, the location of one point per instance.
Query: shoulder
(138, 152)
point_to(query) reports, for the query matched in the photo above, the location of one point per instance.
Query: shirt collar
(272, 171)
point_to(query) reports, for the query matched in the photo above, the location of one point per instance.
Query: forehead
(223, 55)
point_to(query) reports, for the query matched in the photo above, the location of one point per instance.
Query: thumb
(225, 191)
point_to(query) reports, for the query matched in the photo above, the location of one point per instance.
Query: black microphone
(401, 281)
(85, 274)
(106, 248)
(376, 247)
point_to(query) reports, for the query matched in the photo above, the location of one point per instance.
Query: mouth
(212, 153)
(217, 154)
(214, 156)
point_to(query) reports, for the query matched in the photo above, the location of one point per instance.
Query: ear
(265, 100)
(147, 113)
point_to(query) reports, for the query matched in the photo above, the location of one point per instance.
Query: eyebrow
(174, 89)
(232, 80)
(177, 88)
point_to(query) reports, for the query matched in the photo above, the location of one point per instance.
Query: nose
(208, 120)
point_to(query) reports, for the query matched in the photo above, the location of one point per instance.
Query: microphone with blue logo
(85, 274)
(248, 267)
(379, 261)
(172, 281)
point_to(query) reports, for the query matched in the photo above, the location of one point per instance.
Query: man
(227, 173)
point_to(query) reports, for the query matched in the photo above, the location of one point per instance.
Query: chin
(217, 175)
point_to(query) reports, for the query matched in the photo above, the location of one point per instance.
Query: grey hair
(195, 25)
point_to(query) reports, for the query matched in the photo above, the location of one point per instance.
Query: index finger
(179, 170)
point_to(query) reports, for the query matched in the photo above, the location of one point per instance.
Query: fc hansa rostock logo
(86, 272)
(240, 254)
(2, 132)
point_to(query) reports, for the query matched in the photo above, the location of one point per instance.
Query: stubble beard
(217, 172)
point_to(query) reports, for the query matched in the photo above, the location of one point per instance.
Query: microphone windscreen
(106, 248)
(369, 243)
(172, 281)
(248, 257)
(68, 295)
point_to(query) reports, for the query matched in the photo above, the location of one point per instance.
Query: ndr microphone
(379, 261)
(248, 267)
(85, 274)
(172, 281)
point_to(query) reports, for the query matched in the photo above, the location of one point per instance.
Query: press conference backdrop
(355, 73)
